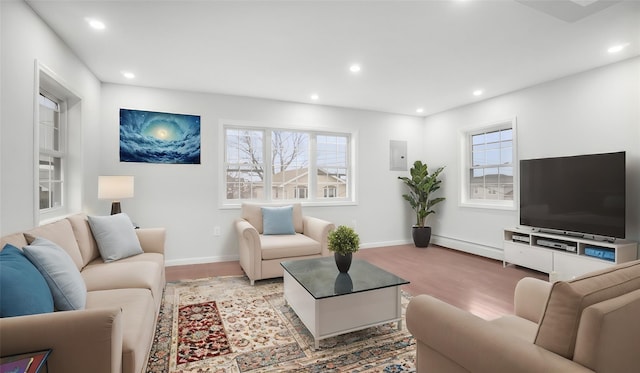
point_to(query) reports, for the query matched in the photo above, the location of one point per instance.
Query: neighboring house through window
(489, 165)
(271, 164)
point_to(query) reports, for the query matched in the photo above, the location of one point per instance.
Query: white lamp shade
(115, 187)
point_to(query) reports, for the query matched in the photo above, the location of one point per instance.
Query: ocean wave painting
(153, 137)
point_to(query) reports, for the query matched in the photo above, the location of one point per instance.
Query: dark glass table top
(321, 278)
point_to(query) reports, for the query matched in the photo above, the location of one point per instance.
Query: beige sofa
(589, 324)
(260, 255)
(115, 331)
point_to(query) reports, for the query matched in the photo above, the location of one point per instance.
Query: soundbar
(556, 245)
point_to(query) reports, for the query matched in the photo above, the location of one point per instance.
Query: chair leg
(253, 282)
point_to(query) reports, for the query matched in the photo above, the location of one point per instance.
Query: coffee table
(330, 303)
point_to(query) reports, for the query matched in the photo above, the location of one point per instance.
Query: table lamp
(115, 188)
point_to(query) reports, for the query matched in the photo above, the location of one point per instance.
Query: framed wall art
(155, 137)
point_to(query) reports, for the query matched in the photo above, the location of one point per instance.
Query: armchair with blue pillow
(270, 234)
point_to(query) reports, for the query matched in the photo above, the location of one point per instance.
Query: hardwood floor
(473, 283)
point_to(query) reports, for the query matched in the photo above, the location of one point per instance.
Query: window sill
(493, 205)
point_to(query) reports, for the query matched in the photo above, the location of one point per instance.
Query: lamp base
(115, 208)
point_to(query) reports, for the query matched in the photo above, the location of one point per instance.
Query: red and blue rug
(224, 324)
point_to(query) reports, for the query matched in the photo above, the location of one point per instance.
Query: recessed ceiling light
(315, 96)
(420, 110)
(96, 24)
(355, 68)
(617, 48)
(478, 92)
(128, 74)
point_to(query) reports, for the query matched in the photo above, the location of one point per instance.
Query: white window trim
(464, 136)
(47, 80)
(224, 203)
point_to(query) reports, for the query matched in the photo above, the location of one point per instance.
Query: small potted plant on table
(343, 241)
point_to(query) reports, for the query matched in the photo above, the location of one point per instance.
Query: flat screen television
(582, 194)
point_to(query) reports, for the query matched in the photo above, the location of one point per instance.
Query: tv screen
(582, 194)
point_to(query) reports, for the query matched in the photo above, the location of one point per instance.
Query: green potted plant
(421, 184)
(343, 241)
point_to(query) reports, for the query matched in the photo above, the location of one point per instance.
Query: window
(52, 152)
(489, 160)
(330, 192)
(58, 147)
(270, 164)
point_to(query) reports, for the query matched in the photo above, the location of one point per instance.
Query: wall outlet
(216, 231)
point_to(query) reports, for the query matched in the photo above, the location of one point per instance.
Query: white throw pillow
(115, 236)
(58, 269)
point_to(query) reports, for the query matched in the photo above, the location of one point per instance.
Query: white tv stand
(561, 264)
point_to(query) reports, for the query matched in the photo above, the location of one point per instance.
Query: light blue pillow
(58, 269)
(23, 290)
(115, 235)
(277, 220)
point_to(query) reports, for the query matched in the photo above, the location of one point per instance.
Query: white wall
(593, 112)
(185, 198)
(25, 38)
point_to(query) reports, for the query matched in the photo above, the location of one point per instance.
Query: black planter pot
(421, 236)
(343, 262)
(343, 284)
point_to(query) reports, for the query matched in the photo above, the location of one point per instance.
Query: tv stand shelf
(563, 257)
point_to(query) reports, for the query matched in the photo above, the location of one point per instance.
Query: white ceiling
(429, 54)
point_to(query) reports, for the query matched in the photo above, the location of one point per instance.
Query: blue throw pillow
(23, 290)
(58, 269)
(277, 220)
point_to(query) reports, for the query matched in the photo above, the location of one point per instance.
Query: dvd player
(521, 238)
(556, 245)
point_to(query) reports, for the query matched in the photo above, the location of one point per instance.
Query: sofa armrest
(318, 230)
(80, 341)
(530, 298)
(250, 249)
(152, 240)
(474, 344)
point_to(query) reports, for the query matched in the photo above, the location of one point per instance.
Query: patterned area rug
(224, 324)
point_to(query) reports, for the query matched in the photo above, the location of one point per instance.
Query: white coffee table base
(328, 317)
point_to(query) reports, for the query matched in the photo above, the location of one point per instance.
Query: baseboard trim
(201, 260)
(468, 247)
(451, 243)
(371, 245)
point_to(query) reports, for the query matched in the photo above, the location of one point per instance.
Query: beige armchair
(589, 324)
(260, 254)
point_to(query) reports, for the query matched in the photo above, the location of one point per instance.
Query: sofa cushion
(24, 291)
(277, 220)
(252, 212)
(518, 326)
(15, 240)
(86, 243)
(64, 280)
(138, 322)
(277, 247)
(125, 275)
(559, 325)
(61, 233)
(115, 235)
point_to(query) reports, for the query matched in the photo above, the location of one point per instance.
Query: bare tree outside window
(246, 167)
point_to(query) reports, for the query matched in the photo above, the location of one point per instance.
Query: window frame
(58, 156)
(466, 165)
(52, 85)
(313, 187)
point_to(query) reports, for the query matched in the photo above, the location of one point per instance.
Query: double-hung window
(52, 152)
(489, 165)
(270, 164)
